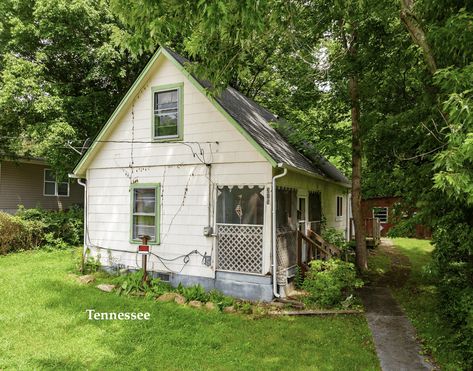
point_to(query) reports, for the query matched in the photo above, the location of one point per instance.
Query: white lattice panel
(240, 248)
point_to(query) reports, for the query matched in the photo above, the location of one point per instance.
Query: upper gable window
(167, 112)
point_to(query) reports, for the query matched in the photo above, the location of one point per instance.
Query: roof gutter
(308, 173)
(275, 268)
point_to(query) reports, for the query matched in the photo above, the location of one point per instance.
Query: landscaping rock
(88, 278)
(106, 288)
(210, 306)
(195, 304)
(169, 296)
(229, 309)
(179, 299)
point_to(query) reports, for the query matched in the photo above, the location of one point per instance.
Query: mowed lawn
(43, 325)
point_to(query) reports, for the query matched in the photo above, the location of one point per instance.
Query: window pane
(49, 176)
(50, 188)
(166, 111)
(144, 225)
(166, 99)
(145, 200)
(165, 124)
(63, 189)
(240, 205)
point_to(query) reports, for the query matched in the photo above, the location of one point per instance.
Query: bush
(453, 265)
(196, 292)
(405, 228)
(17, 234)
(67, 226)
(330, 282)
(335, 237)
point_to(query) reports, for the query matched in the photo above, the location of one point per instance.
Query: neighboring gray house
(31, 183)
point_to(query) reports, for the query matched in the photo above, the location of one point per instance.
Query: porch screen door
(240, 219)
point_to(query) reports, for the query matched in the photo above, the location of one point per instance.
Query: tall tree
(60, 76)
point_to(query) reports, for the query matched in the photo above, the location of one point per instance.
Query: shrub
(220, 300)
(17, 234)
(196, 292)
(453, 265)
(67, 226)
(405, 228)
(335, 237)
(330, 282)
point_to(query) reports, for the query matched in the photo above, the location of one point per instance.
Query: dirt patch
(399, 270)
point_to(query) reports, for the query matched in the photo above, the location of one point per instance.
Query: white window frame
(339, 217)
(387, 213)
(56, 186)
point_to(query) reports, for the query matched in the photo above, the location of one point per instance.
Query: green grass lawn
(418, 298)
(43, 325)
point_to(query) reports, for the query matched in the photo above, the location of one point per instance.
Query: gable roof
(252, 120)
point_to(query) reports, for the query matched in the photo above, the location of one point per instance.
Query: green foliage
(60, 76)
(404, 228)
(454, 268)
(17, 234)
(131, 283)
(65, 227)
(222, 301)
(86, 264)
(298, 278)
(335, 237)
(330, 282)
(196, 292)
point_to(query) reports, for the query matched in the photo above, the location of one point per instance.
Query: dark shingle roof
(255, 120)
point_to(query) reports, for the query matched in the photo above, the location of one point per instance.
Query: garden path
(393, 334)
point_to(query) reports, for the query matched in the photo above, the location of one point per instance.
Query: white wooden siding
(109, 176)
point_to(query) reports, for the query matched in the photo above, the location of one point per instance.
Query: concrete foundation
(238, 285)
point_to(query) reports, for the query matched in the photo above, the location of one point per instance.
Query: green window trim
(180, 117)
(157, 210)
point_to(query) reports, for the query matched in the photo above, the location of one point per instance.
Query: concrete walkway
(393, 334)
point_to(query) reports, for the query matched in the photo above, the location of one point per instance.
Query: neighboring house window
(167, 112)
(53, 187)
(381, 213)
(339, 206)
(145, 212)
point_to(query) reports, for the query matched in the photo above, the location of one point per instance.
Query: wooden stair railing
(317, 248)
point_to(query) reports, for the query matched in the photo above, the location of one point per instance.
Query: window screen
(285, 208)
(166, 113)
(144, 213)
(243, 205)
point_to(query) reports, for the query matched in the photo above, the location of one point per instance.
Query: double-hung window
(167, 112)
(145, 212)
(52, 187)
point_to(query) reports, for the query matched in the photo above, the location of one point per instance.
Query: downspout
(80, 182)
(275, 268)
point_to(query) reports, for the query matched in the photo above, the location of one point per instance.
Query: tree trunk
(361, 253)
(350, 46)
(417, 33)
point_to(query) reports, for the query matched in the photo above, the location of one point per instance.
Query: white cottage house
(219, 191)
